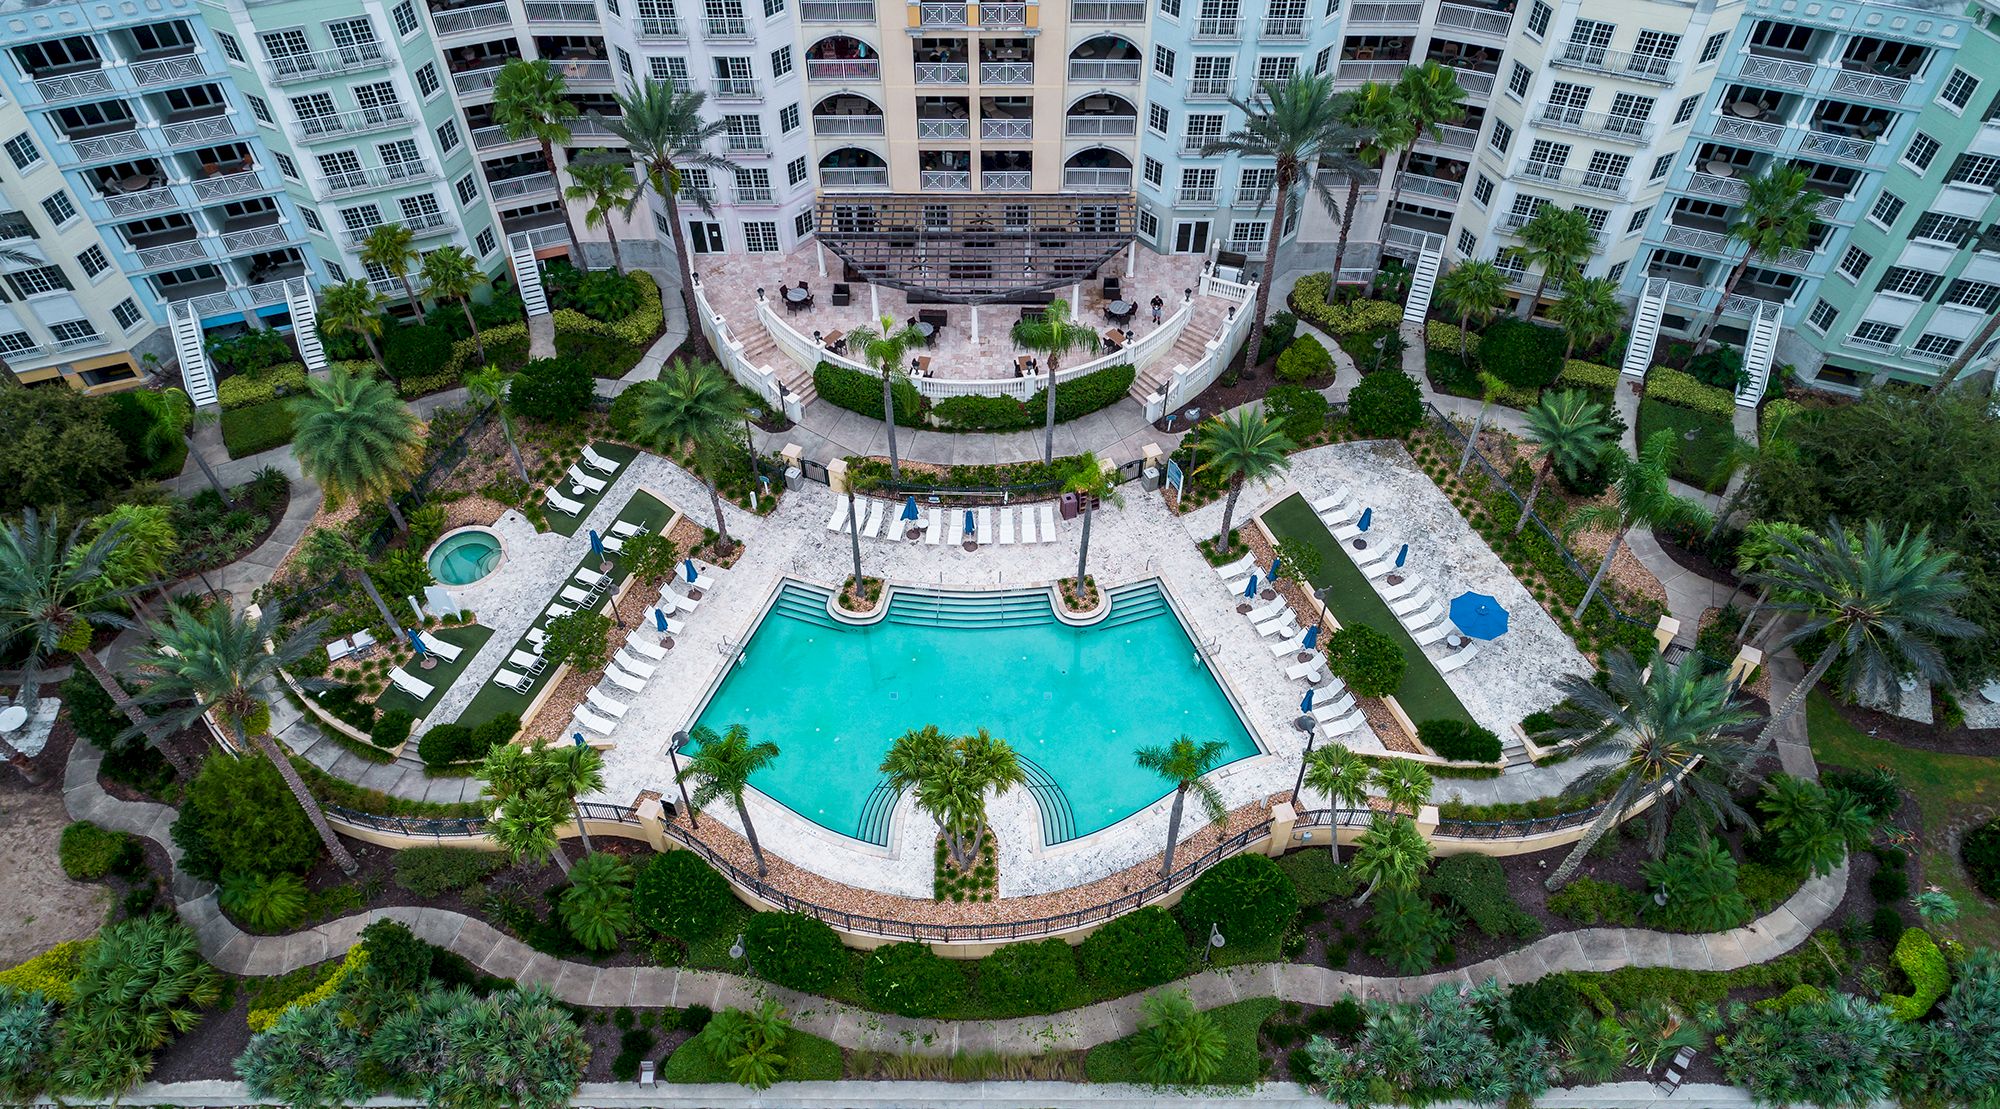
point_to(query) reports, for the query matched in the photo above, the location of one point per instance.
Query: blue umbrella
(577, 737)
(1275, 563)
(910, 508)
(1250, 586)
(1312, 638)
(1402, 556)
(416, 641)
(660, 621)
(968, 522)
(1367, 519)
(596, 545)
(1479, 615)
(688, 565)
(1306, 705)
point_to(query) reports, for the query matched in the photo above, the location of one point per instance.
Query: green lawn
(1242, 1061)
(470, 638)
(1353, 600)
(493, 700)
(1697, 461)
(1949, 789)
(567, 525)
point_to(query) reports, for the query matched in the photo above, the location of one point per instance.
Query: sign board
(1177, 479)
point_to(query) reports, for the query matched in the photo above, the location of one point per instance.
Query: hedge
(1522, 354)
(1670, 386)
(1439, 335)
(1923, 964)
(414, 350)
(259, 427)
(1351, 318)
(1459, 741)
(257, 386)
(1075, 398)
(1578, 374)
(1304, 360)
(1084, 395)
(637, 329)
(1385, 405)
(861, 392)
(261, 1020)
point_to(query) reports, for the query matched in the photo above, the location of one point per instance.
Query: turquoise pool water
(1074, 702)
(465, 558)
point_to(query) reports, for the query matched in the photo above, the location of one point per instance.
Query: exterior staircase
(528, 275)
(1189, 348)
(305, 324)
(1758, 353)
(1645, 329)
(759, 349)
(1422, 283)
(197, 378)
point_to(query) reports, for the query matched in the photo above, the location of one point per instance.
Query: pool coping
(439, 542)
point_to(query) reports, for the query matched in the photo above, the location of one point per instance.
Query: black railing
(1516, 829)
(1341, 818)
(436, 827)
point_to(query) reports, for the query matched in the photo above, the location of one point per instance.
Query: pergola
(975, 249)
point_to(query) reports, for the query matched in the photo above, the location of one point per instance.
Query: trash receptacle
(1149, 479)
(794, 478)
(1070, 507)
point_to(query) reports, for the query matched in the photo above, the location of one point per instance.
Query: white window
(334, 271)
(1638, 220)
(1662, 166)
(1686, 110)
(1538, 20)
(1248, 235)
(1855, 263)
(1279, 67)
(1921, 151)
(744, 132)
(781, 61)
(468, 189)
(312, 220)
(360, 218)
(73, 331)
(1874, 331)
(1548, 157)
(285, 165)
(1170, 8)
(1629, 110)
(401, 158)
(231, 49)
(447, 134)
(662, 69)
(1607, 170)
(1197, 186)
(1482, 190)
(1615, 273)
(1156, 118)
(421, 209)
(1468, 243)
(1821, 317)
(1255, 184)
(1322, 61)
(262, 111)
(379, 99)
(1149, 225)
(1977, 170)
(22, 149)
(1163, 61)
(127, 313)
(1501, 138)
(1908, 282)
(1519, 80)
(753, 184)
(1654, 52)
(1712, 48)
(1596, 218)
(773, 8)
(1958, 90)
(788, 119)
(1201, 130)
(14, 342)
(1937, 346)
(486, 242)
(1887, 207)
(285, 45)
(796, 172)
(1154, 172)
(427, 80)
(802, 223)
(1588, 40)
(760, 237)
(57, 205)
(407, 23)
(93, 261)
(624, 58)
(1941, 228)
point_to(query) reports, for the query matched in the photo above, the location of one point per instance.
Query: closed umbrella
(1312, 638)
(1402, 555)
(1275, 563)
(909, 508)
(1367, 519)
(1479, 615)
(416, 641)
(660, 621)
(1250, 587)
(596, 545)
(687, 565)
(1306, 705)
(577, 738)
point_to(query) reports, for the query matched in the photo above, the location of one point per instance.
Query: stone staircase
(759, 349)
(1189, 347)
(1514, 756)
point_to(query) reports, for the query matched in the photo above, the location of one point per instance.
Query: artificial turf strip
(493, 699)
(468, 638)
(1698, 461)
(1242, 1061)
(1353, 600)
(564, 524)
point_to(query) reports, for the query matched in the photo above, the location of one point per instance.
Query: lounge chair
(1339, 514)
(673, 600)
(1342, 726)
(1027, 530)
(532, 663)
(605, 704)
(338, 649)
(363, 642)
(1457, 658)
(1378, 570)
(446, 651)
(623, 680)
(1346, 532)
(1234, 586)
(612, 543)
(838, 521)
(871, 525)
(626, 529)
(421, 690)
(985, 517)
(597, 461)
(1432, 634)
(577, 595)
(1403, 606)
(508, 679)
(1283, 628)
(1375, 555)
(591, 579)
(594, 722)
(1424, 619)
(1410, 584)
(591, 484)
(1237, 568)
(1006, 526)
(1333, 709)
(557, 610)
(1309, 671)
(651, 650)
(1266, 611)
(633, 664)
(1047, 520)
(1289, 645)
(1331, 501)
(538, 640)
(934, 531)
(561, 503)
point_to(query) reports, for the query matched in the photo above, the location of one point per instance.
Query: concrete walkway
(403, 777)
(826, 432)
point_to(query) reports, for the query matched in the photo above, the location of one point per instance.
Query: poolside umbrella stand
(910, 517)
(1478, 615)
(597, 548)
(424, 657)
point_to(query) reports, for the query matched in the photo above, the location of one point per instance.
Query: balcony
(1695, 239)
(585, 71)
(585, 126)
(254, 238)
(495, 136)
(843, 69)
(1599, 184)
(1617, 63)
(1752, 132)
(137, 203)
(1005, 181)
(561, 11)
(855, 177)
(1003, 129)
(289, 69)
(1478, 20)
(1003, 16)
(359, 122)
(838, 125)
(1107, 11)
(472, 81)
(1779, 71)
(369, 180)
(1251, 200)
(77, 85)
(725, 27)
(1195, 197)
(940, 180)
(1211, 88)
(746, 144)
(169, 70)
(1828, 144)
(425, 226)
(1417, 184)
(186, 251)
(1006, 73)
(1370, 70)
(944, 73)
(458, 21)
(1477, 83)
(1864, 85)
(509, 189)
(942, 15)
(1096, 180)
(951, 129)
(1598, 125)
(666, 26)
(837, 11)
(97, 144)
(1105, 70)
(755, 194)
(1451, 138)
(1282, 28)
(737, 88)
(1377, 13)
(1195, 144)
(1227, 28)
(1094, 126)
(223, 186)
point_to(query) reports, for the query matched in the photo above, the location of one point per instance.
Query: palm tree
(1758, 552)
(529, 808)
(1356, 166)
(1054, 333)
(1588, 310)
(393, 247)
(488, 385)
(354, 436)
(1246, 445)
(327, 552)
(1343, 777)
(1491, 389)
(1091, 484)
(1186, 764)
(721, 765)
(1569, 431)
(221, 662)
(1472, 290)
(1557, 240)
(606, 186)
(885, 346)
(354, 306)
(663, 128)
(1654, 726)
(1771, 447)
(1966, 353)
(53, 599)
(174, 419)
(1881, 603)
(1430, 95)
(950, 777)
(575, 770)
(1381, 123)
(694, 403)
(528, 103)
(1390, 853)
(1643, 498)
(450, 273)
(1292, 122)
(1778, 214)
(1404, 784)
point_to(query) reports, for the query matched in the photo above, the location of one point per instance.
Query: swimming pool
(1073, 702)
(464, 557)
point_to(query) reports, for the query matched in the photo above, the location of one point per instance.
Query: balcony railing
(1753, 131)
(1783, 72)
(1107, 11)
(1193, 144)
(1597, 124)
(1091, 179)
(1211, 88)
(1282, 28)
(755, 194)
(289, 68)
(585, 72)
(1716, 185)
(1105, 71)
(78, 342)
(358, 122)
(517, 188)
(475, 80)
(746, 144)
(96, 148)
(1590, 181)
(1218, 28)
(382, 177)
(185, 252)
(1482, 21)
(1618, 63)
(486, 138)
(595, 128)
(223, 186)
(950, 129)
(1385, 70)
(941, 180)
(1091, 127)
(1438, 187)
(837, 11)
(661, 27)
(843, 69)
(139, 203)
(1384, 13)
(1844, 147)
(847, 125)
(208, 129)
(1005, 181)
(1452, 138)
(738, 88)
(1195, 197)
(1474, 82)
(162, 71)
(1003, 15)
(1006, 73)
(1695, 238)
(1006, 130)
(944, 73)
(941, 15)
(460, 20)
(725, 27)
(75, 86)
(561, 11)
(251, 239)
(423, 227)
(1870, 86)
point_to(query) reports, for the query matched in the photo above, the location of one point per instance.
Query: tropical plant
(141, 983)
(1473, 290)
(309, 1058)
(528, 103)
(1699, 884)
(526, 824)
(1342, 777)
(1588, 311)
(694, 403)
(950, 777)
(328, 552)
(1430, 95)
(1647, 729)
(265, 902)
(393, 247)
(1454, 1042)
(1053, 334)
(1185, 765)
(1813, 826)
(356, 438)
(353, 307)
(1293, 122)
(1178, 1044)
(1837, 1052)
(1246, 445)
(1404, 784)
(1657, 1030)
(517, 1048)
(1777, 213)
(1491, 389)
(1380, 123)
(1569, 433)
(221, 662)
(174, 418)
(720, 767)
(605, 187)
(885, 347)
(27, 1036)
(1757, 552)
(1934, 906)
(1556, 240)
(1643, 497)
(489, 386)
(664, 129)
(1089, 480)
(575, 770)
(1391, 854)
(580, 640)
(1407, 932)
(597, 906)
(450, 273)
(238, 816)
(748, 1043)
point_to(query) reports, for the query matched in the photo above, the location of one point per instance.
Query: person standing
(1158, 304)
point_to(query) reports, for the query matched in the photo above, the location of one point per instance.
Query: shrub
(1477, 886)
(239, 817)
(1316, 877)
(1368, 660)
(1979, 850)
(1035, 977)
(981, 413)
(392, 729)
(143, 980)
(496, 731)
(910, 979)
(1406, 932)
(794, 950)
(1442, 336)
(1459, 740)
(1246, 896)
(623, 417)
(244, 389)
(1918, 957)
(1301, 411)
(435, 871)
(88, 852)
(27, 1035)
(1135, 951)
(1277, 335)
(250, 351)
(1889, 885)
(1589, 901)
(862, 392)
(265, 902)
(398, 959)
(448, 743)
(1676, 388)
(1805, 993)
(1521, 353)
(1719, 368)
(1588, 375)
(51, 972)
(1350, 318)
(1083, 395)
(1879, 790)
(1547, 1005)
(1304, 360)
(257, 428)
(679, 895)
(94, 715)
(1177, 1043)
(1385, 406)
(1887, 924)
(414, 350)
(597, 906)
(552, 390)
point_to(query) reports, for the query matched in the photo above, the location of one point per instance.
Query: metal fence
(1516, 829)
(439, 828)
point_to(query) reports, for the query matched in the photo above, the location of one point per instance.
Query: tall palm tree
(885, 347)
(1292, 122)
(1343, 777)
(528, 102)
(575, 770)
(721, 766)
(1246, 445)
(1381, 125)
(174, 419)
(1404, 784)
(1569, 431)
(1744, 457)
(662, 126)
(950, 777)
(1390, 853)
(1473, 290)
(53, 599)
(529, 802)
(1966, 354)
(1430, 95)
(1091, 484)
(1588, 311)
(450, 273)
(694, 403)
(355, 307)
(1643, 497)
(327, 553)
(1778, 213)
(1356, 166)
(489, 386)
(1653, 726)
(393, 247)
(1491, 389)
(357, 438)
(1185, 764)
(1054, 334)
(604, 186)
(223, 662)
(1881, 603)
(1557, 240)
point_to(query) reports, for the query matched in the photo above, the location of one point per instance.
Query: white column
(1132, 258)
(975, 325)
(820, 251)
(1075, 299)
(874, 305)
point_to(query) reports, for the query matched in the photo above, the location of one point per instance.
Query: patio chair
(626, 529)
(1026, 533)
(1047, 519)
(594, 722)
(1006, 526)
(985, 516)
(1309, 671)
(646, 1080)
(1237, 568)
(673, 600)
(651, 650)
(704, 578)
(1289, 645)
(1347, 532)
(1331, 501)
(508, 679)
(872, 524)
(1410, 584)
(561, 503)
(557, 610)
(838, 521)
(634, 665)
(537, 640)
(842, 295)
(612, 543)
(1670, 1083)
(576, 596)
(421, 690)
(338, 649)
(591, 579)
(1423, 619)
(364, 642)
(1458, 658)
(597, 461)
(593, 484)
(1334, 709)
(623, 680)
(1379, 569)
(1266, 611)
(532, 663)
(1432, 634)
(934, 531)
(605, 704)
(1283, 628)
(1377, 554)
(1404, 605)
(1342, 726)
(446, 651)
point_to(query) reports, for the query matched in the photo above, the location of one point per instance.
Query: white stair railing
(527, 275)
(1423, 282)
(1758, 354)
(1645, 329)
(196, 377)
(305, 323)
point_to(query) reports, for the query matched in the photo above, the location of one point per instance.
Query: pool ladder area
(876, 810)
(1058, 817)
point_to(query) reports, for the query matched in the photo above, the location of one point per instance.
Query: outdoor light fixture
(1304, 723)
(760, 292)
(736, 949)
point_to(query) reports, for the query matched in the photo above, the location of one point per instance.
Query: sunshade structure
(1479, 615)
(975, 249)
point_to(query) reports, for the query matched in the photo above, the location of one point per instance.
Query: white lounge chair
(934, 530)
(871, 525)
(577, 595)
(1266, 611)
(1289, 645)
(1432, 634)
(591, 579)
(838, 521)
(591, 484)
(1343, 725)
(1424, 619)
(623, 680)
(704, 578)
(1309, 671)
(1006, 526)
(1346, 532)
(508, 679)
(1403, 606)
(673, 600)
(633, 664)
(605, 704)
(597, 461)
(594, 722)
(1410, 584)
(627, 529)
(1047, 520)
(532, 663)
(363, 642)
(446, 651)
(338, 649)
(1375, 554)
(1238, 569)
(421, 690)
(1331, 501)
(561, 503)
(1457, 658)
(674, 627)
(557, 610)
(1028, 531)
(1378, 570)
(1338, 515)
(651, 650)
(985, 518)
(1333, 709)
(538, 640)
(1283, 628)
(612, 543)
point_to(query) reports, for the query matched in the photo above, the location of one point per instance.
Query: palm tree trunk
(1346, 224)
(396, 514)
(1083, 551)
(1965, 356)
(750, 833)
(581, 831)
(1472, 443)
(889, 422)
(1254, 348)
(1728, 290)
(1229, 511)
(1534, 491)
(341, 856)
(1464, 318)
(507, 432)
(561, 860)
(1173, 832)
(617, 259)
(12, 756)
(477, 341)
(1369, 892)
(410, 290)
(1750, 618)
(680, 247)
(375, 350)
(1049, 422)
(1395, 193)
(569, 224)
(133, 712)
(1798, 695)
(1597, 579)
(1571, 862)
(961, 851)
(194, 452)
(715, 500)
(368, 584)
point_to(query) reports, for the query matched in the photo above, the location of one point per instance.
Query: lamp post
(1321, 594)
(674, 757)
(1308, 725)
(1215, 942)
